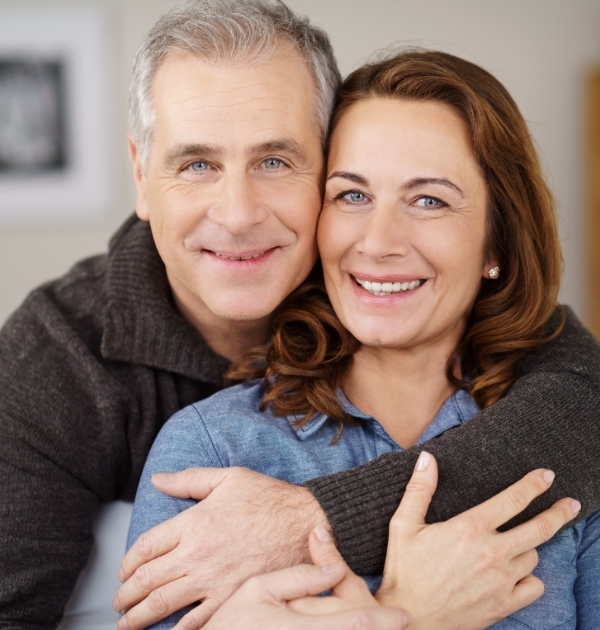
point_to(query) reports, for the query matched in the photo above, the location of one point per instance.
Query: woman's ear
(491, 269)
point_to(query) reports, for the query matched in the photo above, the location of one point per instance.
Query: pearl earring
(494, 273)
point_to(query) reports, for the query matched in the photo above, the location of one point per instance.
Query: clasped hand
(460, 574)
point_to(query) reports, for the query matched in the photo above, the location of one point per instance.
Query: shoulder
(57, 317)
(574, 350)
(243, 400)
(217, 430)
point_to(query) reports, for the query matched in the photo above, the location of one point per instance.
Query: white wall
(540, 49)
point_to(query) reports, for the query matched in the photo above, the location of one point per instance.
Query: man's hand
(285, 599)
(246, 524)
(463, 574)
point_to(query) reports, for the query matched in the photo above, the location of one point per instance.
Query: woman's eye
(353, 196)
(430, 202)
(273, 163)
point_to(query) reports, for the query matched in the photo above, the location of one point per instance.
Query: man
(226, 144)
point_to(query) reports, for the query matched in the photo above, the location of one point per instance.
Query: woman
(441, 265)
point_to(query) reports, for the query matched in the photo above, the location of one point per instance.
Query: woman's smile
(402, 233)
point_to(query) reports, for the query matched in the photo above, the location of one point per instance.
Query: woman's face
(403, 226)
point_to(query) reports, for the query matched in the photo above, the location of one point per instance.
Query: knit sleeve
(56, 462)
(550, 418)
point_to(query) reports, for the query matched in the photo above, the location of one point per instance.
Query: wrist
(303, 513)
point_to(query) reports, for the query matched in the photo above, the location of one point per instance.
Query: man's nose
(238, 207)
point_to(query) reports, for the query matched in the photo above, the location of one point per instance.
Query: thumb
(322, 548)
(418, 494)
(192, 483)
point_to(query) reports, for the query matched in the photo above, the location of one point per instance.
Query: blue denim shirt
(229, 430)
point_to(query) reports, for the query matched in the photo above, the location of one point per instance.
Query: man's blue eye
(273, 163)
(199, 166)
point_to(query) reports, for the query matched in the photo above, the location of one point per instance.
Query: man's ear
(141, 201)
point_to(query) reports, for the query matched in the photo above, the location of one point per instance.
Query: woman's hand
(286, 598)
(463, 574)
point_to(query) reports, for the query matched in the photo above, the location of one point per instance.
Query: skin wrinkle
(234, 119)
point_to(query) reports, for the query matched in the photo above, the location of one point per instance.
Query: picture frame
(55, 115)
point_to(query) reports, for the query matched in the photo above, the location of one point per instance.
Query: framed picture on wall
(593, 187)
(55, 115)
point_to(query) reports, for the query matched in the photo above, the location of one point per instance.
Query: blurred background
(542, 50)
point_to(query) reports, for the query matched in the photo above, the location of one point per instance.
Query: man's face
(232, 188)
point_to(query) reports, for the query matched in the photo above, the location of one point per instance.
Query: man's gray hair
(228, 30)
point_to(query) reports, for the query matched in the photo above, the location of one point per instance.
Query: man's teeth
(387, 288)
(240, 257)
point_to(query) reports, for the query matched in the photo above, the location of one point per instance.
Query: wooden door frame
(593, 196)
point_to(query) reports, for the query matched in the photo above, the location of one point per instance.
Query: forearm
(548, 419)
(475, 463)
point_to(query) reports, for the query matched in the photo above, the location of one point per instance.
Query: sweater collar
(141, 322)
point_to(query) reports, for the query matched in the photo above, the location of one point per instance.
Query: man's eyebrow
(353, 177)
(285, 145)
(417, 182)
(183, 151)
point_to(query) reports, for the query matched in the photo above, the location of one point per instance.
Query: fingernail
(423, 461)
(116, 606)
(161, 478)
(333, 567)
(549, 475)
(322, 533)
(405, 619)
(575, 506)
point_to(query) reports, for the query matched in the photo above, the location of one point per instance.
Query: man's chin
(247, 312)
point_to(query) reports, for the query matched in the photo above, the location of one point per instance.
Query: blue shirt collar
(456, 410)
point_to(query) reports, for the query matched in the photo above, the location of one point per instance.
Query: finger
(160, 603)
(542, 527)
(524, 564)
(418, 494)
(324, 553)
(382, 618)
(154, 543)
(199, 616)
(322, 548)
(506, 504)
(192, 483)
(526, 592)
(284, 585)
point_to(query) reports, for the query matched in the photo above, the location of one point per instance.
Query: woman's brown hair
(310, 350)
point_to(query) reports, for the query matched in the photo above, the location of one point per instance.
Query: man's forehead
(217, 105)
(248, 67)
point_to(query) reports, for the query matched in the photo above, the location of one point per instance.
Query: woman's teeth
(387, 288)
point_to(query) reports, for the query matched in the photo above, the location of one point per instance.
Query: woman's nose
(387, 233)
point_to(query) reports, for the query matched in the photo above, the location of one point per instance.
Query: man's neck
(228, 338)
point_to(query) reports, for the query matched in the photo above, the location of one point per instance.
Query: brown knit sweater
(94, 363)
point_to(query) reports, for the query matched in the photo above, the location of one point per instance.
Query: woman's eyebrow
(417, 182)
(353, 177)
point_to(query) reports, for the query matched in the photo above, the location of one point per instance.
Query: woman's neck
(402, 390)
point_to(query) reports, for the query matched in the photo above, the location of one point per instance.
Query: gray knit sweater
(94, 363)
